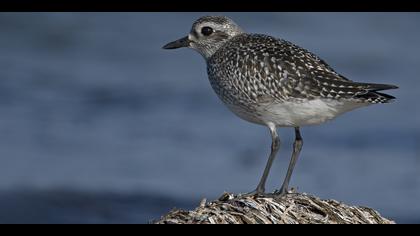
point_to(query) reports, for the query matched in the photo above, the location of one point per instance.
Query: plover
(275, 83)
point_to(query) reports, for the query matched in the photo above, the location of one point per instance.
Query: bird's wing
(308, 60)
(366, 92)
(293, 72)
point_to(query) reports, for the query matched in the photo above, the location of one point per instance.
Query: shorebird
(275, 83)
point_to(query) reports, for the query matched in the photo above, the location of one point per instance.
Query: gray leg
(275, 146)
(297, 146)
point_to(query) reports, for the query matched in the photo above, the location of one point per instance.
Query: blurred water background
(99, 125)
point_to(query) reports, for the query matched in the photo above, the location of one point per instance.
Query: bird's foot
(280, 193)
(258, 193)
(255, 193)
(261, 193)
(283, 192)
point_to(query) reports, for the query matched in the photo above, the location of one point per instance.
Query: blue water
(99, 125)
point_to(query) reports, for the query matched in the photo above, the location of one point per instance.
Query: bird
(272, 82)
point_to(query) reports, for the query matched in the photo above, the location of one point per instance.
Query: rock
(294, 208)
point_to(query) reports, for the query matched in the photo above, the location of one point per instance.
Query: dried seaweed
(294, 208)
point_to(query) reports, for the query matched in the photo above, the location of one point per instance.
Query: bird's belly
(296, 113)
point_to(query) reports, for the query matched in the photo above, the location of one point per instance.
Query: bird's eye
(206, 31)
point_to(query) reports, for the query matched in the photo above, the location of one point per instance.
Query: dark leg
(275, 146)
(297, 146)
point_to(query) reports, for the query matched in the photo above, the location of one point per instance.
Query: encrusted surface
(295, 208)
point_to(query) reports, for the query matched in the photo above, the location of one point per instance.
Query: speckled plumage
(252, 71)
(260, 66)
(273, 82)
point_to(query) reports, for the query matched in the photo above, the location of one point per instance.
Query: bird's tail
(373, 96)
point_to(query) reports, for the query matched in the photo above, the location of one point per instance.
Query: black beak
(184, 42)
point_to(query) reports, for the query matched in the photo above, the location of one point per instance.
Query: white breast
(298, 113)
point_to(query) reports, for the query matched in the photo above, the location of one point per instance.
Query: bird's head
(207, 35)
